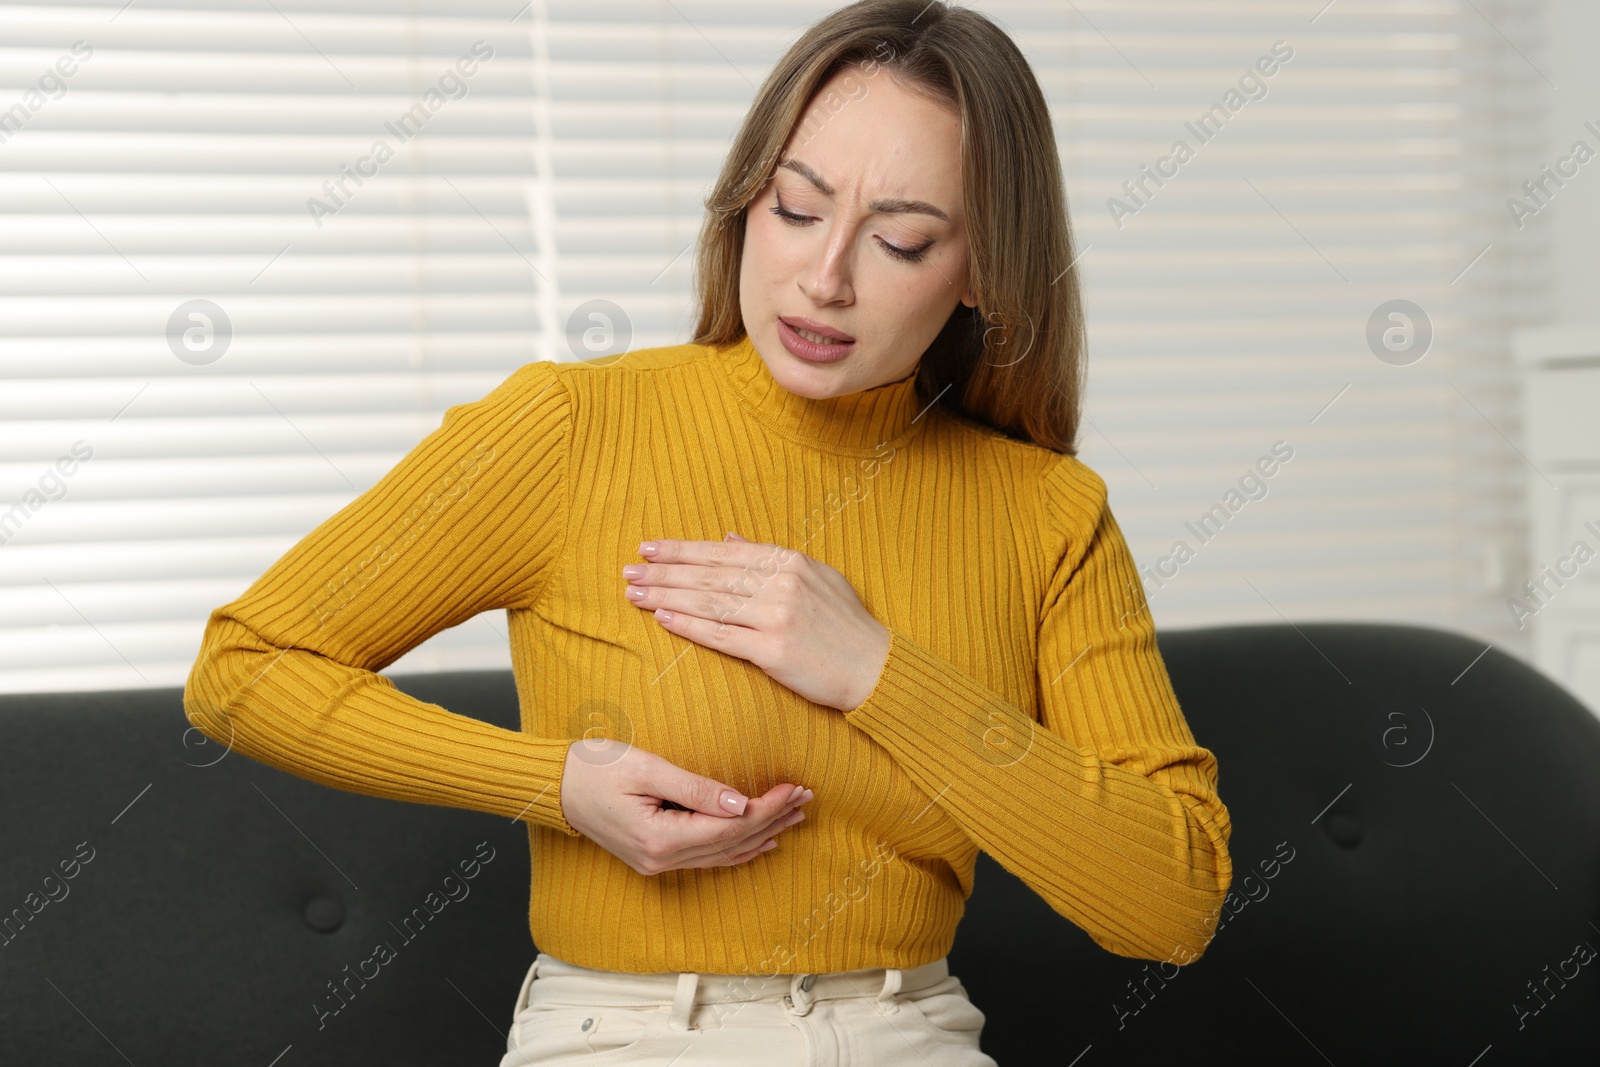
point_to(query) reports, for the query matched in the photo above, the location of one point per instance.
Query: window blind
(225, 310)
(1343, 160)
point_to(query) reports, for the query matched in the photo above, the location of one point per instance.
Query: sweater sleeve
(470, 520)
(1106, 807)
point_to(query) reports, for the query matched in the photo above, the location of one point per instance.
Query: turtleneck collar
(853, 424)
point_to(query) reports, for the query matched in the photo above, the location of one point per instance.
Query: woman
(924, 611)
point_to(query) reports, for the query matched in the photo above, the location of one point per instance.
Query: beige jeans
(876, 1017)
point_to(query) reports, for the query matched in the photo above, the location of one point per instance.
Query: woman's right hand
(614, 794)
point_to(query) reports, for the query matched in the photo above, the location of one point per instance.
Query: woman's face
(874, 172)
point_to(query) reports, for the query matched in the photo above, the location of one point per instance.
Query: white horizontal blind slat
(176, 163)
(1224, 315)
(1228, 309)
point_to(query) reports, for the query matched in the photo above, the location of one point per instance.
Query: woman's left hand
(797, 619)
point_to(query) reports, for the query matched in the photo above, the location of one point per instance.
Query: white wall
(1573, 217)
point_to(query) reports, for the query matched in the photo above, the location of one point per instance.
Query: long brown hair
(1015, 361)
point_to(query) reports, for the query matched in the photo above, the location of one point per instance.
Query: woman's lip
(800, 348)
(816, 327)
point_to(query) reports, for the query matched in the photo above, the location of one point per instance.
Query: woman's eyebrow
(894, 206)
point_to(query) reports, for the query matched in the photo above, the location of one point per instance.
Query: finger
(741, 610)
(697, 845)
(694, 792)
(718, 854)
(731, 554)
(790, 815)
(700, 840)
(708, 797)
(794, 818)
(740, 642)
(742, 579)
(681, 550)
(735, 859)
(765, 846)
(761, 816)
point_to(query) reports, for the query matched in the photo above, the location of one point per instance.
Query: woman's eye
(909, 255)
(787, 216)
(905, 255)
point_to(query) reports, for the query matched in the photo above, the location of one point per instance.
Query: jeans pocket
(617, 1028)
(546, 1033)
(948, 1011)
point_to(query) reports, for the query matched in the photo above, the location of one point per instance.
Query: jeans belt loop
(683, 1002)
(799, 997)
(892, 977)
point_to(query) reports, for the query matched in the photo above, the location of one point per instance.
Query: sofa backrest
(221, 907)
(1416, 847)
(1416, 839)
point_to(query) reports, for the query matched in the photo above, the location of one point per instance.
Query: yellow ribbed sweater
(1024, 708)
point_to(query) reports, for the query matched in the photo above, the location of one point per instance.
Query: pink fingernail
(733, 801)
(648, 548)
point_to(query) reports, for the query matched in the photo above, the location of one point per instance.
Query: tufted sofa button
(324, 914)
(1343, 829)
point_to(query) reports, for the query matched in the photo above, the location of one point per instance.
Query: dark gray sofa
(1416, 850)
